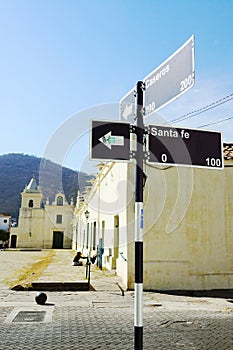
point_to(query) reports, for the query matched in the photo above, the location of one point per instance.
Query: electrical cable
(218, 122)
(203, 109)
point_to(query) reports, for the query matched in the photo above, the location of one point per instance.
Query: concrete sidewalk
(21, 269)
(75, 278)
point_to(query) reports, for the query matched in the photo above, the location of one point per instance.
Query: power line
(218, 122)
(203, 109)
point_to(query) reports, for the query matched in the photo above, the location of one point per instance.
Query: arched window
(30, 203)
(59, 200)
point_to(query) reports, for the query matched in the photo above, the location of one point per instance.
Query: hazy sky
(61, 58)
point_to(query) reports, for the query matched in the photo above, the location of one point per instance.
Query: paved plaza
(104, 317)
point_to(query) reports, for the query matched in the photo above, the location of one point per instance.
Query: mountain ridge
(17, 169)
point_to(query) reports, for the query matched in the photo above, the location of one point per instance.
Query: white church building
(42, 226)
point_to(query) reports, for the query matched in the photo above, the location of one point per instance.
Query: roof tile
(228, 151)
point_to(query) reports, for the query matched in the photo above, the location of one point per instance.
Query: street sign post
(110, 140)
(190, 147)
(139, 223)
(171, 79)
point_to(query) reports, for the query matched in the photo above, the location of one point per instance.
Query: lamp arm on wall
(121, 254)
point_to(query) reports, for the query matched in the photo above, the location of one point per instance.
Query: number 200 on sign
(184, 84)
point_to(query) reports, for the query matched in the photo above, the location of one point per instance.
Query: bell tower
(31, 196)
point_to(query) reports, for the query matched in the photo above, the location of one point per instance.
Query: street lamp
(87, 215)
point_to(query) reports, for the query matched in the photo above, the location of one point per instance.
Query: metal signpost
(138, 250)
(163, 144)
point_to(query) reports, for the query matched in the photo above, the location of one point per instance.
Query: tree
(4, 235)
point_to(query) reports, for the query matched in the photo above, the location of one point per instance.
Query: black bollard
(41, 298)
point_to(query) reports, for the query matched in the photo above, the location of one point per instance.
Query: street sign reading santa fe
(110, 140)
(190, 147)
(171, 79)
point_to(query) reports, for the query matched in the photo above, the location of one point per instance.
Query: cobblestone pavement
(104, 319)
(106, 322)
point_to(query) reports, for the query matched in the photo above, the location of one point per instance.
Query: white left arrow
(128, 110)
(109, 140)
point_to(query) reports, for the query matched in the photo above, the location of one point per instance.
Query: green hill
(16, 170)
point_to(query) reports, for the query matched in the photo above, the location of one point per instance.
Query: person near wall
(77, 259)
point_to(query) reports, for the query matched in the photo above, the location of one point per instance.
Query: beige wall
(186, 247)
(229, 210)
(29, 228)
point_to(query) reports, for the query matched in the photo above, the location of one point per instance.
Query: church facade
(42, 226)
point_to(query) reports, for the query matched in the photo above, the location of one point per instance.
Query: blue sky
(60, 59)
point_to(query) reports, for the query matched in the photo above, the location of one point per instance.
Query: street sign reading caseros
(192, 147)
(110, 140)
(171, 79)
